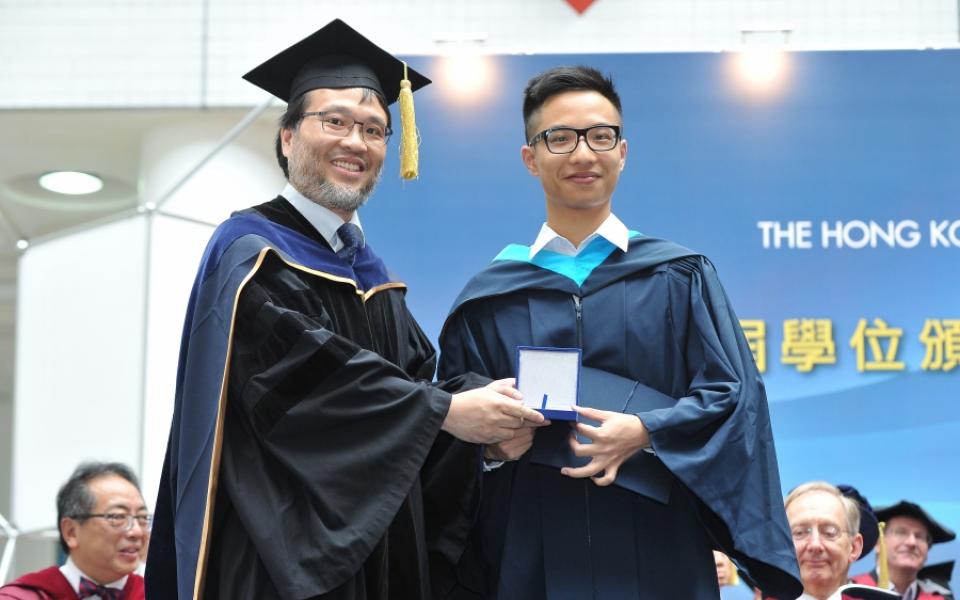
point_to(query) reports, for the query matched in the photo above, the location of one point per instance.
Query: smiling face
(339, 173)
(907, 543)
(583, 180)
(824, 563)
(101, 551)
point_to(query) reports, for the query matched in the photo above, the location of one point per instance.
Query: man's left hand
(618, 437)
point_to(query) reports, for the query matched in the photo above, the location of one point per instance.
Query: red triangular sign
(580, 5)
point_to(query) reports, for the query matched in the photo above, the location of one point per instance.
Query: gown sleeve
(324, 439)
(460, 351)
(717, 438)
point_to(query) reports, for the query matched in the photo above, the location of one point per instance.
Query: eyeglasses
(122, 520)
(564, 140)
(902, 533)
(826, 531)
(340, 125)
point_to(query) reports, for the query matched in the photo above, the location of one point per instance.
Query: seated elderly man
(104, 528)
(825, 525)
(909, 533)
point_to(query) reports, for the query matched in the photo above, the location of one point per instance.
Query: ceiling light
(74, 183)
(466, 70)
(762, 63)
(467, 75)
(763, 68)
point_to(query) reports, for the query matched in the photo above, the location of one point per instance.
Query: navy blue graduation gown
(304, 451)
(658, 339)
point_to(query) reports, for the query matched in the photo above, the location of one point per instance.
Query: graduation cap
(938, 532)
(337, 56)
(868, 520)
(871, 529)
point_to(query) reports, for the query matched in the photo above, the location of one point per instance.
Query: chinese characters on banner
(809, 343)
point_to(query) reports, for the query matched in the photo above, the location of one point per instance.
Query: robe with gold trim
(304, 451)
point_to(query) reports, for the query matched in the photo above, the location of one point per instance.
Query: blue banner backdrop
(826, 205)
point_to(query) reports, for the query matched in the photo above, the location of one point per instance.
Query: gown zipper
(578, 307)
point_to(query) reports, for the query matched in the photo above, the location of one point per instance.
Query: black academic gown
(330, 455)
(658, 339)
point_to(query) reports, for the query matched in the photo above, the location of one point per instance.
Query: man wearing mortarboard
(909, 532)
(306, 444)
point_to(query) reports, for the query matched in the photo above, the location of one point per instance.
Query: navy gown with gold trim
(304, 451)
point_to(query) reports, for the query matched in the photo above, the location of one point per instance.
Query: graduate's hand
(513, 449)
(618, 437)
(489, 414)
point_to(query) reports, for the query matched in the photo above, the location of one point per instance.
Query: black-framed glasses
(122, 520)
(825, 531)
(564, 140)
(340, 125)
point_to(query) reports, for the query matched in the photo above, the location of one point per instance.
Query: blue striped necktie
(352, 239)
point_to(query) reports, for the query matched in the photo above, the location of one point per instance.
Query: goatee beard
(328, 194)
(340, 197)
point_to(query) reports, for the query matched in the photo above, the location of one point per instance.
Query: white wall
(104, 53)
(101, 316)
(78, 373)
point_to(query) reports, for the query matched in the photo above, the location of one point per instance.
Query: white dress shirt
(833, 596)
(324, 220)
(612, 229)
(73, 575)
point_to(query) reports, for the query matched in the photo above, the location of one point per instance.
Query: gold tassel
(734, 576)
(883, 570)
(409, 152)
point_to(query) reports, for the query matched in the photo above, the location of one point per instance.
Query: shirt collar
(612, 229)
(911, 592)
(834, 596)
(324, 220)
(73, 575)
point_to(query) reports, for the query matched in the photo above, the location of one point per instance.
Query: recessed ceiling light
(762, 68)
(467, 76)
(74, 183)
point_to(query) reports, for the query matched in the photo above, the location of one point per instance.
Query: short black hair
(558, 80)
(75, 498)
(290, 119)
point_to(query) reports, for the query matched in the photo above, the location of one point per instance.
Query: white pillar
(101, 312)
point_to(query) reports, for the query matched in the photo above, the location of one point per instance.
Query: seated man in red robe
(908, 535)
(104, 528)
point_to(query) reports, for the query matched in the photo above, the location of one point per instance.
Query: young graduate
(681, 427)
